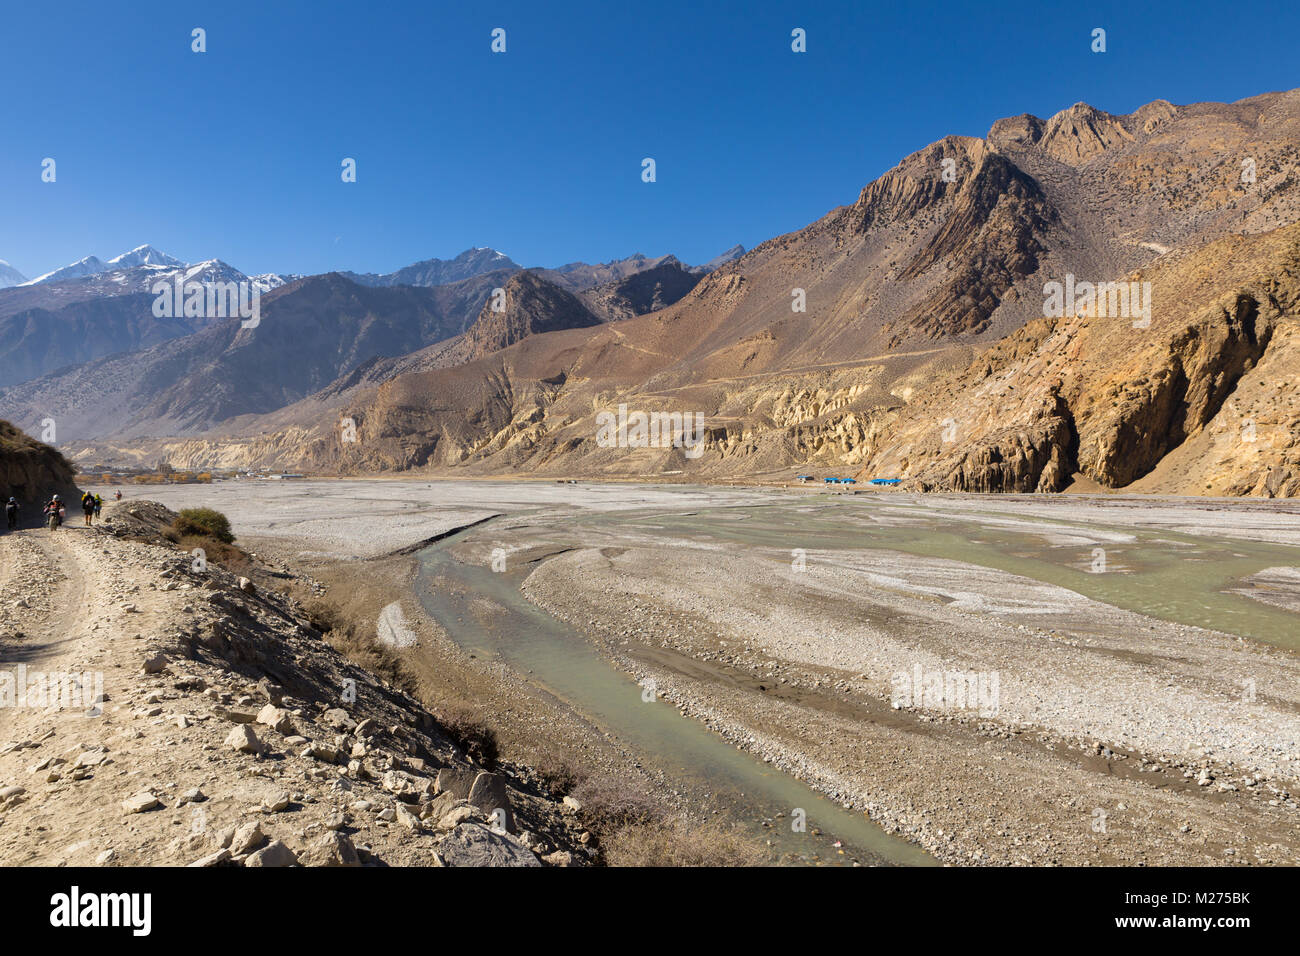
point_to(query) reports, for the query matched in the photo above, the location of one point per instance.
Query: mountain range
(908, 333)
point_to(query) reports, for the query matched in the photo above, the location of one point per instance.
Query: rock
(408, 819)
(213, 859)
(277, 802)
(193, 795)
(559, 858)
(330, 849)
(460, 814)
(473, 845)
(91, 758)
(388, 815)
(246, 586)
(277, 719)
(319, 751)
(456, 782)
(142, 801)
(274, 853)
(339, 719)
(243, 739)
(247, 838)
(573, 805)
(105, 857)
(490, 794)
(154, 664)
(7, 792)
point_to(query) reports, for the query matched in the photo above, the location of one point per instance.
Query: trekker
(88, 506)
(99, 506)
(11, 513)
(119, 496)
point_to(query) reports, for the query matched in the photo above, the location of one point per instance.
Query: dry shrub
(558, 776)
(472, 734)
(357, 643)
(610, 802)
(233, 559)
(638, 829)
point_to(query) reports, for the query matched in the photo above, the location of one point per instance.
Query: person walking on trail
(88, 506)
(11, 513)
(99, 506)
(119, 496)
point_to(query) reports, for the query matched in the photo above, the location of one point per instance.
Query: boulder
(456, 782)
(490, 793)
(274, 853)
(142, 801)
(243, 739)
(330, 849)
(277, 719)
(247, 838)
(473, 845)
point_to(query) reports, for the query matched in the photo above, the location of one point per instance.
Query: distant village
(162, 474)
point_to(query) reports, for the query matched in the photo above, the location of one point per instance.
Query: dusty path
(153, 713)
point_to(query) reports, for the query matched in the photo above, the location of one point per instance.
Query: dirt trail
(152, 712)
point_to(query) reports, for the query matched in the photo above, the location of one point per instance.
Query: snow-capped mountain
(9, 276)
(145, 255)
(142, 267)
(89, 266)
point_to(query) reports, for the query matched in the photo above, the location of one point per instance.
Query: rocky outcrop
(530, 305)
(643, 292)
(31, 472)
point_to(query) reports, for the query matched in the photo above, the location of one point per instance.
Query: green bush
(203, 521)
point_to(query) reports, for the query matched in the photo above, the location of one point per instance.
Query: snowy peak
(145, 255)
(139, 270)
(88, 266)
(9, 276)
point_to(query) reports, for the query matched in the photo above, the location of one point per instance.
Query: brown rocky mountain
(580, 276)
(31, 472)
(38, 341)
(643, 292)
(907, 334)
(529, 305)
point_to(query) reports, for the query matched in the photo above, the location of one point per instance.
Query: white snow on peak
(9, 276)
(82, 267)
(145, 255)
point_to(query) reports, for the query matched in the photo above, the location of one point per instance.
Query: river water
(1169, 575)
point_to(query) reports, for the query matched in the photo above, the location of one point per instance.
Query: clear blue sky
(235, 153)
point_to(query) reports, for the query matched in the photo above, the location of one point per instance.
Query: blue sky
(235, 153)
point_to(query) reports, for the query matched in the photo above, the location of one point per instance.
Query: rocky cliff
(31, 472)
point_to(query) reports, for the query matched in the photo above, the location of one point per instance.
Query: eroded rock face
(31, 471)
(1209, 386)
(1180, 394)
